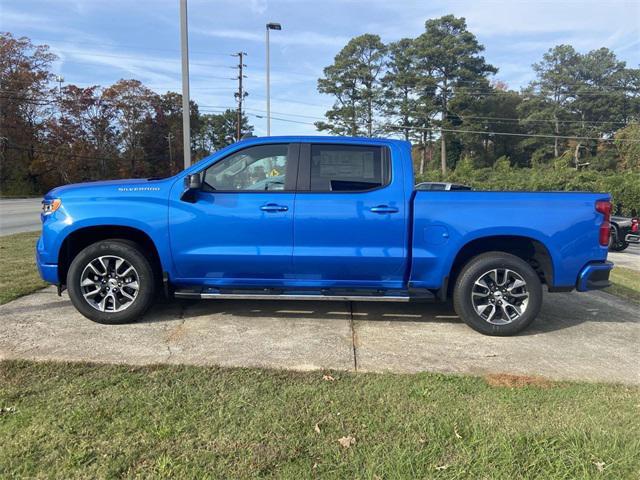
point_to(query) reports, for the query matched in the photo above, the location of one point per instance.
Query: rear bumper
(48, 271)
(632, 238)
(594, 276)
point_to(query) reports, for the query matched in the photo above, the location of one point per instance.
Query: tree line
(52, 134)
(581, 112)
(439, 92)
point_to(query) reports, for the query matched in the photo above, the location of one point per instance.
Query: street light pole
(186, 120)
(270, 26)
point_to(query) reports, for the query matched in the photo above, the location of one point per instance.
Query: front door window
(255, 168)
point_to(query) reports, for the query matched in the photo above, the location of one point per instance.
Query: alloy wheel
(500, 296)
(109, 283)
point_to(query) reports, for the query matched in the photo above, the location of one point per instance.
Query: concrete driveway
(592, 336)
(629, 258)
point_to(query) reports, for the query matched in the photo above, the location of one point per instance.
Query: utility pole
(59, 79)
(169, 137)
(241, 93)
(186, 111)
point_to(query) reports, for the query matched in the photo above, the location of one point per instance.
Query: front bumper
(48, 271)
(632, 238)
(594, 276)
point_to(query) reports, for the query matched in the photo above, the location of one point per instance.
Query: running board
(292, 296)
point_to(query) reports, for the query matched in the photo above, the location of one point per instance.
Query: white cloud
(258, 6)
(313, 39)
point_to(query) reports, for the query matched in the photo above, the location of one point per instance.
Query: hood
(107, 187)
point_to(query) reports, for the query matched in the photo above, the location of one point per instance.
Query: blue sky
(101, 41)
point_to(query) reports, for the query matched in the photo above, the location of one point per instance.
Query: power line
(536, 82)
(55, 101)
(540, 120)
(281, 119)
(531, 135)
(102, 44)
(283, 113)
(130, 57)
(575, 94)
(511, 134)
(79, 156)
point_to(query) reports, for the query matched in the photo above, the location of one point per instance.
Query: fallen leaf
(442, 467)
(328, 378)
(422, 440)
(455, 430)
(317, 428)
(599, 466)
(347, 441)
(315, 465)
(7, 410)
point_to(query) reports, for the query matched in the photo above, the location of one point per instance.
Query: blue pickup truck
(319, 218)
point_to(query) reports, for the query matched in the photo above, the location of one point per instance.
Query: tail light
(604, 207)
(634, 225)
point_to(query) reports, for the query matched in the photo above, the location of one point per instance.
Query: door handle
(384, 209)
(273, 207)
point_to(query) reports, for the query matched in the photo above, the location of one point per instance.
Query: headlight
(50, 206)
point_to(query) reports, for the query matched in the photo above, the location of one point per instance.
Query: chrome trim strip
(260, 296)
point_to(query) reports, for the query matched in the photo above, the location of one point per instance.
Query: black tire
(128, 251)
(473, 271)
(620, 246)
(615, 243)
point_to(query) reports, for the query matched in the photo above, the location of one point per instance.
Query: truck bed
(565, 223)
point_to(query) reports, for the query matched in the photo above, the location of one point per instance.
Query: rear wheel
(497, 293)
(111, 282)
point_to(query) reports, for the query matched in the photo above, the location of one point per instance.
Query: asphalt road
(19, 215)
(592, 336)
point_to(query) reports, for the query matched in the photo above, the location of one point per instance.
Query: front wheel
(498, 294)
(111, 282)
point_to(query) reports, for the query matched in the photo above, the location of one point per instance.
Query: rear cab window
(348, 168)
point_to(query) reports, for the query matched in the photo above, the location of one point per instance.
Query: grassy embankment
(63, 420)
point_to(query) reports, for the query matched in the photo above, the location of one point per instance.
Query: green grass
(18, 275)
(625, 283)
(64, 420)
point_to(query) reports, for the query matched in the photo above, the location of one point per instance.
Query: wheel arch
(529, 249)
(81, 238)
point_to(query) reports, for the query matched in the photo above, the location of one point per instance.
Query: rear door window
(348, 168)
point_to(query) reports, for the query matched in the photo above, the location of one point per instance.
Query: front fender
(148, 215)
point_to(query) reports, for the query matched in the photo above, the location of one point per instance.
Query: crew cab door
(238, 228)
(350, 222)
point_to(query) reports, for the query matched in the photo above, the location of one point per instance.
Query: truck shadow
(559, 311)
(422, 312)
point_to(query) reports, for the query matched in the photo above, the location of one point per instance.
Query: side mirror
(192, 183)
